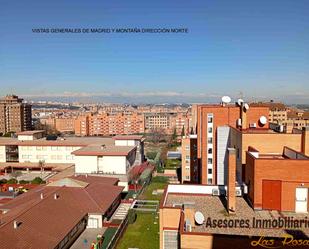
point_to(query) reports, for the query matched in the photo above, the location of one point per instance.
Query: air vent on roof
(56, 196)
(215, 192)
(246, 107)
(239, 122)
(252, 125)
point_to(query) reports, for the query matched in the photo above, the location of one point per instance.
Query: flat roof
(128, 137)
(104, 151)
(67, 141)
(213, 207)
(29, 133)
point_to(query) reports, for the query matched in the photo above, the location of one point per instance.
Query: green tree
(12, 181)
(37, 180)
(183, 131)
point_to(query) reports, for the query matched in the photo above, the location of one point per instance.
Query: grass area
(142, 234)
(108, 234)
(157, 182)
(172, 163)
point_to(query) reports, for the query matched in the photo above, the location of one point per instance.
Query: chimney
(243, 116)
(42, 196)
(56, 196)
(15, 224)
(305, 141)
(231, 195)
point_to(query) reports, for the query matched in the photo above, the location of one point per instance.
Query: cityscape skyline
(230, 47)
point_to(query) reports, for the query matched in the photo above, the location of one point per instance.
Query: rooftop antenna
(199, 218)
(246, 106)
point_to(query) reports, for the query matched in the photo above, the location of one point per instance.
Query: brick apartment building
(213, 130)
(15, 115)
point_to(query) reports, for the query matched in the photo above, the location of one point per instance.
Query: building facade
(15, 115)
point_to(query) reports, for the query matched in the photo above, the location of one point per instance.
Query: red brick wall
(292, 173)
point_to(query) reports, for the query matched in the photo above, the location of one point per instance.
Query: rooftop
(213, 207)
(36, 216)
(29, 133)
(104, 151)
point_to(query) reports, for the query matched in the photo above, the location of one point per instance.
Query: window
(209, 181)
(187, 167)
(187, 147)
(209, 129)
(187, 177)
(210, 119)
(209, 171)
(210, 140)
(209, 160)
(187, 157)
(210, 151)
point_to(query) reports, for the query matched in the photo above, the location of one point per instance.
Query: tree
(157, 135)
(174, 136)
(37, 180)
(12, 181)
(183, 131)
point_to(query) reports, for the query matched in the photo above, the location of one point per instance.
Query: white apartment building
(111, 156)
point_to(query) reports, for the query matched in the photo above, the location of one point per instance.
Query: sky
(255, 49)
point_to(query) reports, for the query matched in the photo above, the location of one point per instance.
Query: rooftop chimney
(305, 141)
(15, 224)
(42, 196)
(231, 179)
(56, 196)
(243, 116)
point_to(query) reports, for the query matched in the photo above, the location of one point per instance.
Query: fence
(114, 240)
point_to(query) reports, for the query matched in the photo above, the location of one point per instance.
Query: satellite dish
(226, 99)
(263, 120)
(246, 106)
(240, 101)
(199, 218)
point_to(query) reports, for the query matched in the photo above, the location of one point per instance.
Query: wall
(169, 220)
(112, 164)
(291, 172)
(194, 241)
(270, 142)
(2, 154)
(25, 137)
(120, 142)
(86, 164)
(96, 216)
(50, 154)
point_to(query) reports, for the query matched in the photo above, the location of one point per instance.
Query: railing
(114, 240)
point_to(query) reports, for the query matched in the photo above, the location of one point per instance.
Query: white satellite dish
(240, 101)
(246, 106)
(263, 120)
(199, 218)
(226, 99)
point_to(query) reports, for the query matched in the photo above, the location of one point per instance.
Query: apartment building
(297, 119)
(61, 124)
(105, 124)
(189, 162)
(15, 115)
(213, 129)
(275, 187)
(168, 122)
(277, 111)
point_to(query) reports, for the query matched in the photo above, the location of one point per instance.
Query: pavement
(87, 237)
